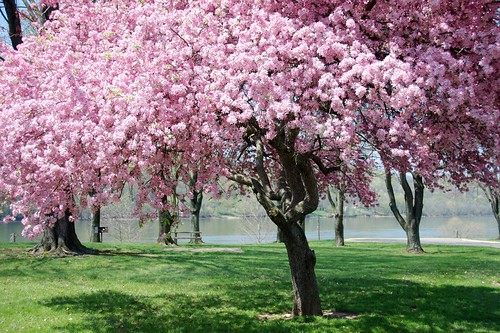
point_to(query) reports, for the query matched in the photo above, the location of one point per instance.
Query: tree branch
(392, 199)
(418, 207)
(370, 4)
(259, 166)
(309, 187)
(274, 213)
(330, 199)
(240, 179)
(410, 205)
(14, 21)
(319, 163)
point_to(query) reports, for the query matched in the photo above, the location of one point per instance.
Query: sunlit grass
(142, 288)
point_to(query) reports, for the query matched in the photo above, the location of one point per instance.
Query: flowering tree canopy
(114, 89)
(282, 96)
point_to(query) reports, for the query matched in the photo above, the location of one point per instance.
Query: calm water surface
(260, 230)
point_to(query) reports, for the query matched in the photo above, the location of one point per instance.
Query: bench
(191, 235)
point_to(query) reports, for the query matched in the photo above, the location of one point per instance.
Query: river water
(261, 230)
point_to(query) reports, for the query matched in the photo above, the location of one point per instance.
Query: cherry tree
(280, 97)
(62, 236)
(493, 197)
(450, 133)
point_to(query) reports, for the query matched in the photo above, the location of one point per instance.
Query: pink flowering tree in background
(61, 237)
(493, 196)
(280, 97)
(450, 130)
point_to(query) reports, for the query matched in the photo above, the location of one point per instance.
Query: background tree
(167, 219)
(337, 205)
(494, 198)
(256, 224)
(95, 234)
(195, 200)
(448, 134)
(413, 203)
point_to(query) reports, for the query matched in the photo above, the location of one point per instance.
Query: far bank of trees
(450, 202)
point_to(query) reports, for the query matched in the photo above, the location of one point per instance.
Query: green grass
(141, 288)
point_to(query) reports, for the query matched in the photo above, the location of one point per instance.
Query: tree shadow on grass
(106, 312)
(399, 305)
(416, 308)
(238, 287)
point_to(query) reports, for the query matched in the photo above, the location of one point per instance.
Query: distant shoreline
(236, 217)
(430, 241)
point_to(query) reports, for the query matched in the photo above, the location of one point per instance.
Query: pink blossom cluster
(146, 92)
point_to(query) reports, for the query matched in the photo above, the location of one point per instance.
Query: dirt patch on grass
(204, 249)
(326, 314)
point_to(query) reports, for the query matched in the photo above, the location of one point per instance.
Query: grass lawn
(142, 288)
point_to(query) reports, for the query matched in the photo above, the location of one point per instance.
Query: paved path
(425, 241)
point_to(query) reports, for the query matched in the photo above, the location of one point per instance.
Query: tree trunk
(287, 201)
(165, 221)
(14, 21)
(302, 223)
(61, 239)
(302, 261)
(195, 208)
(279, 236)
(414, 205)
(96, 223)
(413, 237)
(494, 200)
(195, 227)
(339, 230)
(498, 224)
(337, 205)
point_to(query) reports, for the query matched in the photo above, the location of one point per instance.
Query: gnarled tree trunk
(165, 221)
(61, 239)
(302, 223)
(295, 195)
(302, 261)
(414, 206)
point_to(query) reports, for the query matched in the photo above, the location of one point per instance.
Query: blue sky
(3, 24)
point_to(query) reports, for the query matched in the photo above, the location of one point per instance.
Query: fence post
(12, 238)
